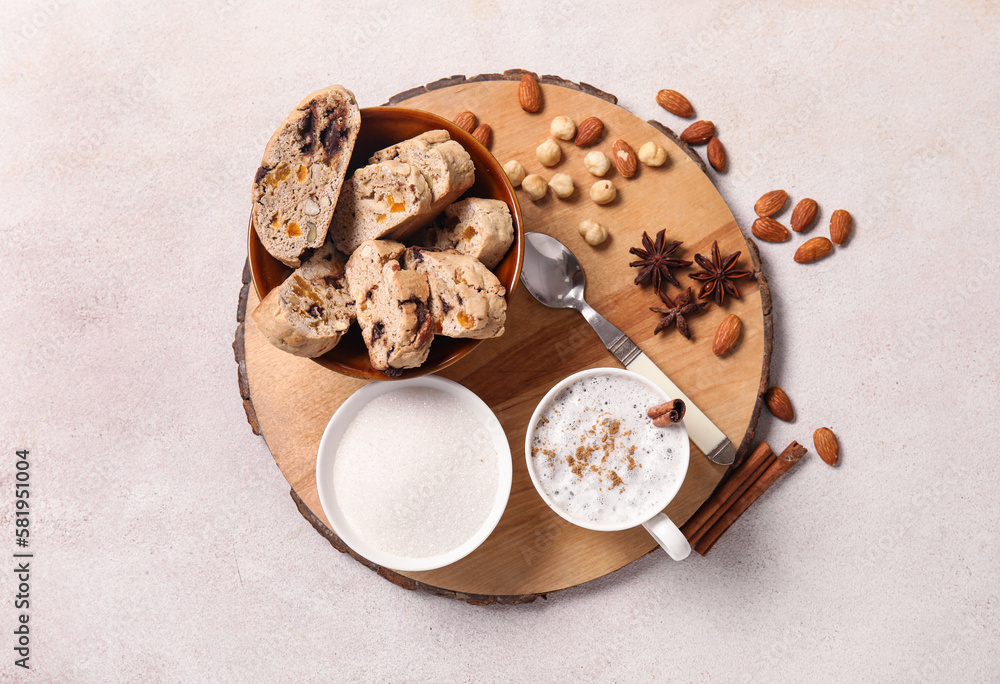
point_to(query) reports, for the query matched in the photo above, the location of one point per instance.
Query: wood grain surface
(533, 551)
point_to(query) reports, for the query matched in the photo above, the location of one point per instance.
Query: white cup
(328, 451)
(660, 527)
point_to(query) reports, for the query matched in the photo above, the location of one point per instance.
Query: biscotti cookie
(299, 180)
(398, 326)
(403, 329)
(466, 300)
(480, 228)
(389, 199)
(444, 163)
(391, 306)
(308, 313)
(364, 267)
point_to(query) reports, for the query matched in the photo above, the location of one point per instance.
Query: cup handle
(668, 536)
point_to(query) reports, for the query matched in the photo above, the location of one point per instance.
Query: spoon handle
(617, 342)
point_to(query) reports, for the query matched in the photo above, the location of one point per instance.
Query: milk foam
(415, 473)
(601, 421)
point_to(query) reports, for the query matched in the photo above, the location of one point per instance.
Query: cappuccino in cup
(596, 456)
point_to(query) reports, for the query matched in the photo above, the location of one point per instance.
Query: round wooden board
(533, 551)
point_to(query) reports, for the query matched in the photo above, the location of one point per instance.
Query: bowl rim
(496, 170)
(547, 399)
(326, 455)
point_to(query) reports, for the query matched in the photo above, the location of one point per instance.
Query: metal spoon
(553, 275)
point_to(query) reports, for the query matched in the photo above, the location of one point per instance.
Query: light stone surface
(167, 546)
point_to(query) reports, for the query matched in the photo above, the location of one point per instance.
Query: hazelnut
(514, 171)
(603, 192)
(597, 162)
(310, 208)
(548, 153)
(535, 186)
(562, 185)
(652, 154)
(562, 127)
(593, 232)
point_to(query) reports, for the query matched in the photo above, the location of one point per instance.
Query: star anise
(655, 261)
(676, 310)
(718, 275)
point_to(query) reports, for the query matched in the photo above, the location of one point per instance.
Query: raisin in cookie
(308, 313)
(481, 228)
(444, 163)
(389, 199)
(298, 183)
(466, 299)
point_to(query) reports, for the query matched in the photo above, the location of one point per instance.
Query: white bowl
(666, 496)
(328, 451)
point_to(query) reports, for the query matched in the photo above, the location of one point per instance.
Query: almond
(727, 334)
(716, 154)
(589, 131)
(813, 249)
(698, 133)
(826, 445)
(779, 404)
(769, 230)
(675, 103)
(466, 121)
(804, 214)
(840, 226)
(482, 134)
(624, 158)
(529, 94)
(770, 203)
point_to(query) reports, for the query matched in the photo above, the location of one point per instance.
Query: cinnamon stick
(723, 498)
(670, 413)
(788, 458)
(728, 503)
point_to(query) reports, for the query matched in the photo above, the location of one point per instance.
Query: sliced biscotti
(299, 180)
(364, 267)
(480, 228)
(392, 306)
(466, 300)
(402, 328)
(385, 200)
(444, 163)
(308, 313)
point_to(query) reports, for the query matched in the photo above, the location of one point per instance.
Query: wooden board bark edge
(765, 371)
(239, 349)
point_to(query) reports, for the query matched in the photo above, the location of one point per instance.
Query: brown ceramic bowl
(381, 127)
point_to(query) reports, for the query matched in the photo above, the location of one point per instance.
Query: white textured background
(167, 546)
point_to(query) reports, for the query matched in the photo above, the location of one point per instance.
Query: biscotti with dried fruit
(480, 228)
(308, 313)
(388, 200)
(300, 177)
(364, 267)
(466, 299)
(391, 307)
(444, 163)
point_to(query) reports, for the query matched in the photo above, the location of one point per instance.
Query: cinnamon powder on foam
(594, 459)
